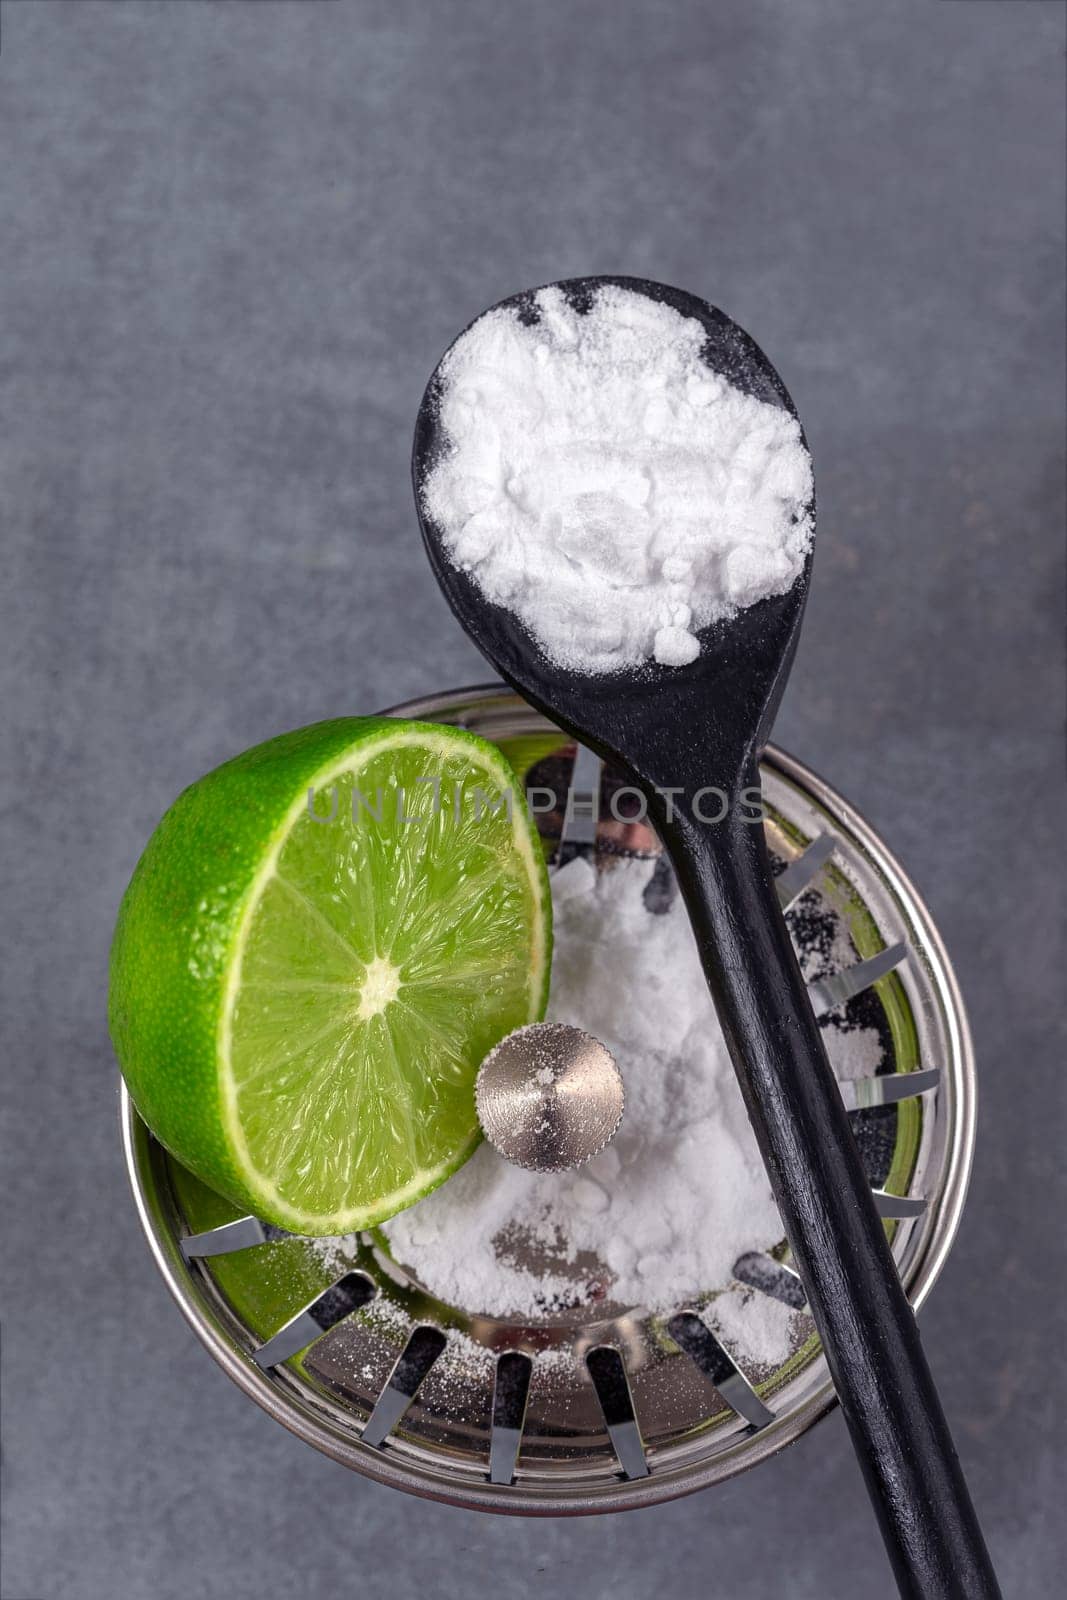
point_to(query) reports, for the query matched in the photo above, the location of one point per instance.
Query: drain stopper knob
(549, 1097)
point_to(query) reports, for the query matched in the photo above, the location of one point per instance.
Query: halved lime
(321, 942)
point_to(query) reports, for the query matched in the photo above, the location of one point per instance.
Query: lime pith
(319, 945)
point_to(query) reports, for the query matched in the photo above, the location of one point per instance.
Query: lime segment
(390, 927)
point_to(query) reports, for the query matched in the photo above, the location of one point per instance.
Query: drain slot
(887, 1088)
(412, 1365)
(608, 1371)
(661, 890)
(244, 1234)
(511, 1389)
(348, 1294)
(799, 874)
(692, 1335)
(897, 1207)
(826, 994)
(582, 813)
(756, 1270)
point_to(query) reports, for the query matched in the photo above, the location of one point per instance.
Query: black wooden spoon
(677, 731)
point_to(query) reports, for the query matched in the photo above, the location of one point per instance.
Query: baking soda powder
(603, 483)
(663, 1213)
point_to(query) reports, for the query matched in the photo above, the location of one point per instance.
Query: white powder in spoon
(603, 483)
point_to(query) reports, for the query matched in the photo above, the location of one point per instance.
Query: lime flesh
(320, 945)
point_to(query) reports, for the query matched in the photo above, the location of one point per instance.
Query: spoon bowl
(620, 715)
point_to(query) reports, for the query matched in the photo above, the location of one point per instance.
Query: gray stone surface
(234, 237)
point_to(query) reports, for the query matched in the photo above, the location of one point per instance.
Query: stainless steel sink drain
(609, 1406)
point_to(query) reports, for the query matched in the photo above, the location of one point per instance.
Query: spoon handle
(868, 1330)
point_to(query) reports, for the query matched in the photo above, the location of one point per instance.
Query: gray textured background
(234, 238)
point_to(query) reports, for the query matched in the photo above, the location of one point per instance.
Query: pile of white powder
(679, 1193)
(604, 484)
(662, 1214)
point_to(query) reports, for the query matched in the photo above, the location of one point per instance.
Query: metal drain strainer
(606, 1407)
